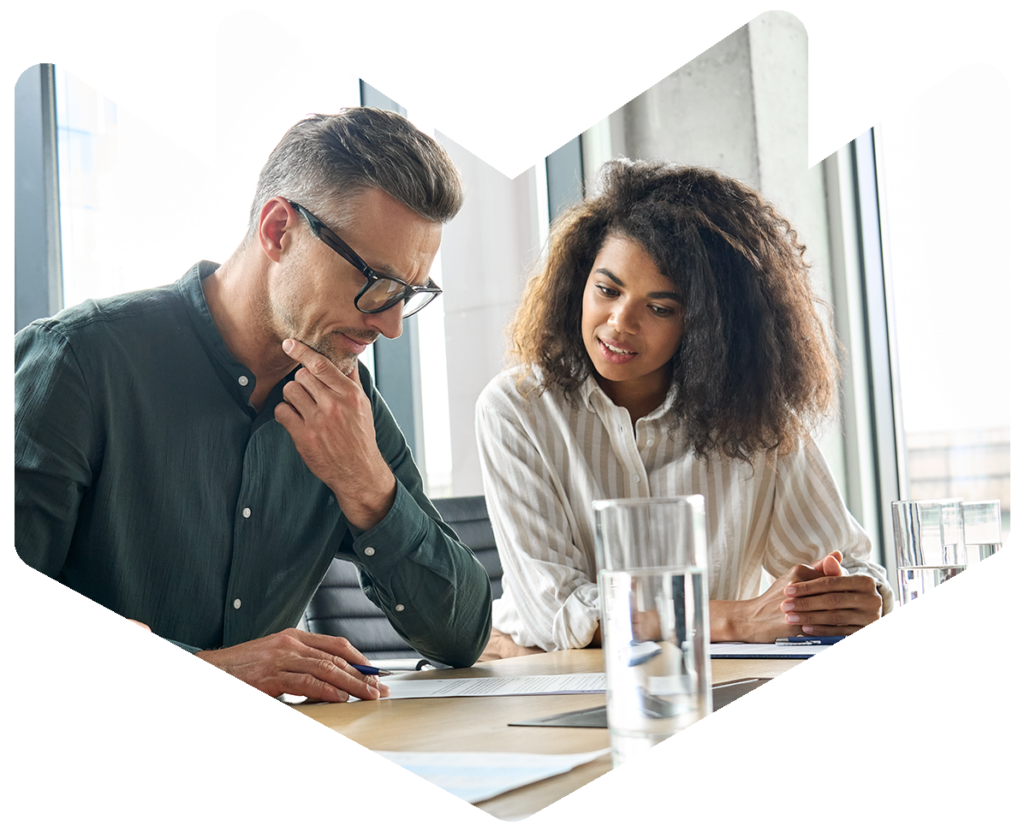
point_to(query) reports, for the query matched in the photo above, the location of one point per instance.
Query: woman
(670, 345)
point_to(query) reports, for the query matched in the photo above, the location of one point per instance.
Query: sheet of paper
(413, 688)
(397, 779)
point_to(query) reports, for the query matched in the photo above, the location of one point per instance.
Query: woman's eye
(661, 311)
(607, 291)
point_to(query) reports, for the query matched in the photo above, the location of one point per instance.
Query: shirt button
(243, 380)
(369, 551)
(399, 607)
(636, 478)
(246, 512)
(237, 603)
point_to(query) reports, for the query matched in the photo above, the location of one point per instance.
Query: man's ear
(277, 222)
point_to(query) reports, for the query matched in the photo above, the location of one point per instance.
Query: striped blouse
(546, 459)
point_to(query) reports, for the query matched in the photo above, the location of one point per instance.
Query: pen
(366, 670)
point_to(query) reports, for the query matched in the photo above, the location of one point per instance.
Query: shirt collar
(595, 398)
(190, 287)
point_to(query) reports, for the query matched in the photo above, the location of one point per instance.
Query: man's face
(312, 297)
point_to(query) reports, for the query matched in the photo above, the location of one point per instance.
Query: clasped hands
(815, 600)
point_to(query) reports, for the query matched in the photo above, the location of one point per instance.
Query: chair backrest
(339, 608)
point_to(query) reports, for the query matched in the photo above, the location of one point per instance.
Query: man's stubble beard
(344, 361)
(278, 319)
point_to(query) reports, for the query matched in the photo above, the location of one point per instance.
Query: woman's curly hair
(755, 367)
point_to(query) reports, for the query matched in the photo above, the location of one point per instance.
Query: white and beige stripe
(545, 461)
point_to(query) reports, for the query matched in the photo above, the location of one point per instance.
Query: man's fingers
(309, 358)
(292, 661)
(339, 673)
(334, 645)
(299, 396)
(317, 364)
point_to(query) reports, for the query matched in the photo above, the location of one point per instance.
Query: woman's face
(632, 318)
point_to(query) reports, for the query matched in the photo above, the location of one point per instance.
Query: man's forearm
(448, 620)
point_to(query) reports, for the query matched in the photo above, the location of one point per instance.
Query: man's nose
(389, 322)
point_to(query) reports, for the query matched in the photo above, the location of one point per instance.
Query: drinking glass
(983, 533)
(652, 556)
(930, 559)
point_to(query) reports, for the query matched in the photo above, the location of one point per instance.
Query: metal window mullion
(38, 267)
(878, 323)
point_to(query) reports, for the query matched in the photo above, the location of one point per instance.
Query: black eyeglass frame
(333, 241)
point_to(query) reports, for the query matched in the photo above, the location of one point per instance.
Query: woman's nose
(623, 317)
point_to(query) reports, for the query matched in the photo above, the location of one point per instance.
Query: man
(193, 456)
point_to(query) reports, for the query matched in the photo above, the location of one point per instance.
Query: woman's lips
(615, 353)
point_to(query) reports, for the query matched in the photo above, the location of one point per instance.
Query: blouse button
(636, 478)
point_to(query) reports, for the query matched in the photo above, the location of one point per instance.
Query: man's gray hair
(325, 161)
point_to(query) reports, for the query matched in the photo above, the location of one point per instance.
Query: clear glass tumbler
(655, 633)
(930, 546)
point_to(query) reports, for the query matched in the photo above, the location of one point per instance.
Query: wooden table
(482, 723)
(812, 786)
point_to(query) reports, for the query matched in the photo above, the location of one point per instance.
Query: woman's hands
(819, 599)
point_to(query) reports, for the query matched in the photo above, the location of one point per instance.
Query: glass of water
(652, 560)
(983, 533)
(931, 559)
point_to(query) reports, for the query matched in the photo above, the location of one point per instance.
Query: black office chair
(339, 608)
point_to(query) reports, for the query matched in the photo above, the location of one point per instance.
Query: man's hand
(300, 663)
(816, 599)
(330, 421)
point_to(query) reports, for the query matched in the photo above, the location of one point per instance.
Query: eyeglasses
(378, 293)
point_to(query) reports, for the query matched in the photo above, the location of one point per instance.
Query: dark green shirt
(146, 481)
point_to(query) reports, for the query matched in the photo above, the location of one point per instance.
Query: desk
(482, 723)
(815, 785)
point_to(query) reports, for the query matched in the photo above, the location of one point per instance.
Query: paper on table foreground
(396, 779)
(413, 688)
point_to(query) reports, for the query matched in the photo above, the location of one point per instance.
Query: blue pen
(366, 670)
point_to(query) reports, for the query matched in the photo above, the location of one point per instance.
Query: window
(133, 172)
(496, 131)
(947, 212)
(135, 209)
(935, 409)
